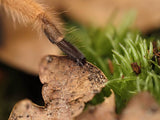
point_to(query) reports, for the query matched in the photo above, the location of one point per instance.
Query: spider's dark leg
(72, 52)
(57, 38)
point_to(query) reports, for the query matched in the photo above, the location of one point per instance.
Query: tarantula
(29, 11)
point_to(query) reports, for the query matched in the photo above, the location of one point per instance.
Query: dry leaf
(66, 88)
(104, 111)
(141, 107)
(22, 48)
(99, 12)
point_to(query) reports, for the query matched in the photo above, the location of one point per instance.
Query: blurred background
(21, 48)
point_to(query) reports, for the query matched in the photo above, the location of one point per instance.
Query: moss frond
(132, 58)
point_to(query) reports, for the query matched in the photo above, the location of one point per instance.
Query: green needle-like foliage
(137, 51)
(123, 47)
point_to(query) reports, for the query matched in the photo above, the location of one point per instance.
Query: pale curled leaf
(99, 12)
(66, 80)
(66, 88)
(23, 44)
(104, 111)
(141, 107)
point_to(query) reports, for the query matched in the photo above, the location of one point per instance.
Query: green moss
(123, 47)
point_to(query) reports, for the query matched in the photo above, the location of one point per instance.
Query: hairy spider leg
(29, 11)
